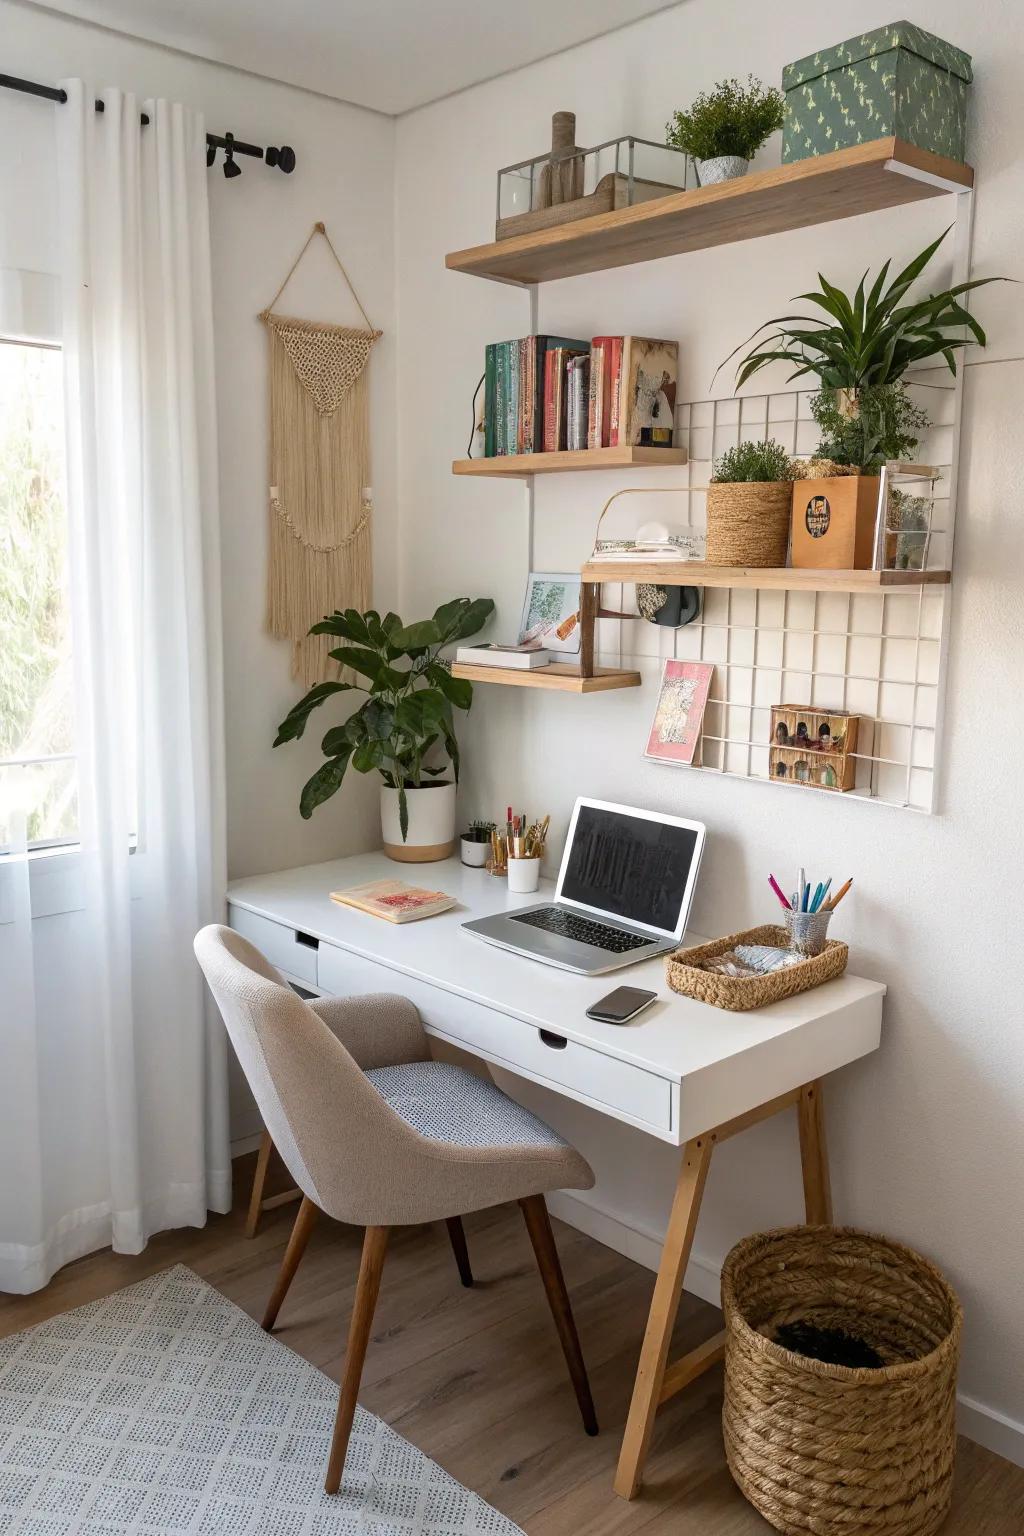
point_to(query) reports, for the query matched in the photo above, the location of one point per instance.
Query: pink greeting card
(685, 686)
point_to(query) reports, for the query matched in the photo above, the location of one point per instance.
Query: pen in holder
(807, 931)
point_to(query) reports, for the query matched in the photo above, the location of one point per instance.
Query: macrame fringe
(320, 538)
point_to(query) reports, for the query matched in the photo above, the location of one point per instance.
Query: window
(38, 775)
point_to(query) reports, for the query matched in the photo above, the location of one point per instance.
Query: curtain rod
(282, 157)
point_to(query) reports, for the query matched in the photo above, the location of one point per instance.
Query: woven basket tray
(738, 993)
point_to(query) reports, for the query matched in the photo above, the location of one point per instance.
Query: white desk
(687, 1073)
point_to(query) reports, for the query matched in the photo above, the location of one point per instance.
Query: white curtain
(113, 1097)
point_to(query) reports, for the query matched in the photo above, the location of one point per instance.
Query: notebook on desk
(624, 892)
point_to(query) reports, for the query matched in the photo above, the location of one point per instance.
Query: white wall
(259, 221)
(927, 1137)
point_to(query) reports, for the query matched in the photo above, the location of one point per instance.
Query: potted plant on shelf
(748, 506)
(725, 127)
(406, 718)
(859, 353)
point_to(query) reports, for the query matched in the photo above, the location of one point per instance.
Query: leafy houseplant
(408, 711)
(871, 339)
(885, 426)
(748, 506)
(728, 124)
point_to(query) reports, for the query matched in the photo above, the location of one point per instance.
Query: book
(614, 390)
(552, 402)
(500, 397)
(527, 393)
(512, 401)
(489, 402)
(609, 350)
(395, 901)
(576, 400)
(543, 347)
(648, 391)
(524, 657)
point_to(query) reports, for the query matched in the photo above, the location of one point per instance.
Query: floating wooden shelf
(556, 675)
(694, 573)
(519, 465)
(885, 173)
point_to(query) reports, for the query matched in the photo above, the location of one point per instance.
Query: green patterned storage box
(898, 81)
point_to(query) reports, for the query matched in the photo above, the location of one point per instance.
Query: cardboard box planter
(898, 81)
(834, 523)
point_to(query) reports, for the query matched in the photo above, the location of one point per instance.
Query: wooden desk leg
(814, 1155)
(647, 1389)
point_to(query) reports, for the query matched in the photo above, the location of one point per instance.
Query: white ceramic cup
(523, 875)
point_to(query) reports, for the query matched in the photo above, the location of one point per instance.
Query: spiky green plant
(874, 337)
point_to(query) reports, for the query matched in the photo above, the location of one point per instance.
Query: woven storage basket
(748, 522)
(824, 1448)
(738, 993)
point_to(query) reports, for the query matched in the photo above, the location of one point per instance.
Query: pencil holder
(807, 931)
(523, 875)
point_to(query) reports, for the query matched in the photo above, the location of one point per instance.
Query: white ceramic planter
(475, 854)
(721, 168)
(431, 824)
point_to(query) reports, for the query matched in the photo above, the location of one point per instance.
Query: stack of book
(547, 393)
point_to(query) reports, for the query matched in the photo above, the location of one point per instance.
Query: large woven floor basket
(825, 1448)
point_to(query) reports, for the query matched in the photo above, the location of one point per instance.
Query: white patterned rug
(165, 1409)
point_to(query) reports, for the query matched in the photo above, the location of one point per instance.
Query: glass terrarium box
(570, 182)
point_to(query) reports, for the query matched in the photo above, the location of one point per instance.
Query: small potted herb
(476, 843)
(748, 506)
(724, 128)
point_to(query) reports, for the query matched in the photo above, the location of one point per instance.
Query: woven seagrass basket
(684, 971)
(748, 522)
(825, 1448)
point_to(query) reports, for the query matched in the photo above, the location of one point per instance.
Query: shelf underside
(519, 465)
(694, 573)
(886, 173)
(556, 676)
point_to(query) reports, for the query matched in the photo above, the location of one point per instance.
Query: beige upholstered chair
(377, 1134)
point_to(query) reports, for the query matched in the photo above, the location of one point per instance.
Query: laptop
(624, 892)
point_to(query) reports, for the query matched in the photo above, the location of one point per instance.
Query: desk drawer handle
(556, 1042)
(306, 939)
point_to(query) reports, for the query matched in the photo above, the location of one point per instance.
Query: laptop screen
(629, 866)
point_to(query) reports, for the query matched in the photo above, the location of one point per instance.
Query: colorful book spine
(489, 404)
(549, 443)
(576, 402)
(615, 392)
(500, 397)
(595, 396)
(512, 401)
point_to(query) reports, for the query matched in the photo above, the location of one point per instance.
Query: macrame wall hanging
(320, 500)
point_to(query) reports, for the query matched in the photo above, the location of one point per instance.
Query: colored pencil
(778, 891)
(837, 898)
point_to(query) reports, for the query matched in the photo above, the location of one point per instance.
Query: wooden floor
(476, 1378)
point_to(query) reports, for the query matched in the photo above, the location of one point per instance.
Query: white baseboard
(976, 1421)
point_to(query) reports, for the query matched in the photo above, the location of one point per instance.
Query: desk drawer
(284, 947)
(539, 1054)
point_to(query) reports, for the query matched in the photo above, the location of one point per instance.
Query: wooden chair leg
(375, 1242)
(304, 1223)
(538, 1225)
(814, 1155)
(259, 1179)
(457, 1234)
(661, 1318)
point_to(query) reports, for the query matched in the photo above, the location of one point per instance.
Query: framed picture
(551, 612)
(679, 714)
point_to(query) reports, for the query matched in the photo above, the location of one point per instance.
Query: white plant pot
(475, 854)
(721, 168)
(431, 824)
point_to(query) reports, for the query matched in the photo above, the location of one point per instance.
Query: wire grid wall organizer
(879, 655)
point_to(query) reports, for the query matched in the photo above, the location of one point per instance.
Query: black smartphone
(621, 1005)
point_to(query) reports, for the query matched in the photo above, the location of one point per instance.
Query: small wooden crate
(797, 755)
(833, 525)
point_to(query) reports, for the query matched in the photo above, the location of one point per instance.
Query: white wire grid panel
(878, 655)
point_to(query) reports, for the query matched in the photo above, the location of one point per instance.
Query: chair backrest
(329, 1123)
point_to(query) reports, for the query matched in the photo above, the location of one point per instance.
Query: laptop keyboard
(569, 925)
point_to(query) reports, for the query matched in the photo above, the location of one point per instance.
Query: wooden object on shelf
(558, 677)
(886, 173)
(796, 757)
(833, 526)
(696, 573)
(611, 193)
(625, 456)
(561, 180)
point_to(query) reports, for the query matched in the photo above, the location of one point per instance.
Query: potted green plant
(748, 506)
(859, 352)
(405, 719)
(476, 843)
(725, 127)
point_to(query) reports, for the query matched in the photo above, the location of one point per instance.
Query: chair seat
(446, 1103)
